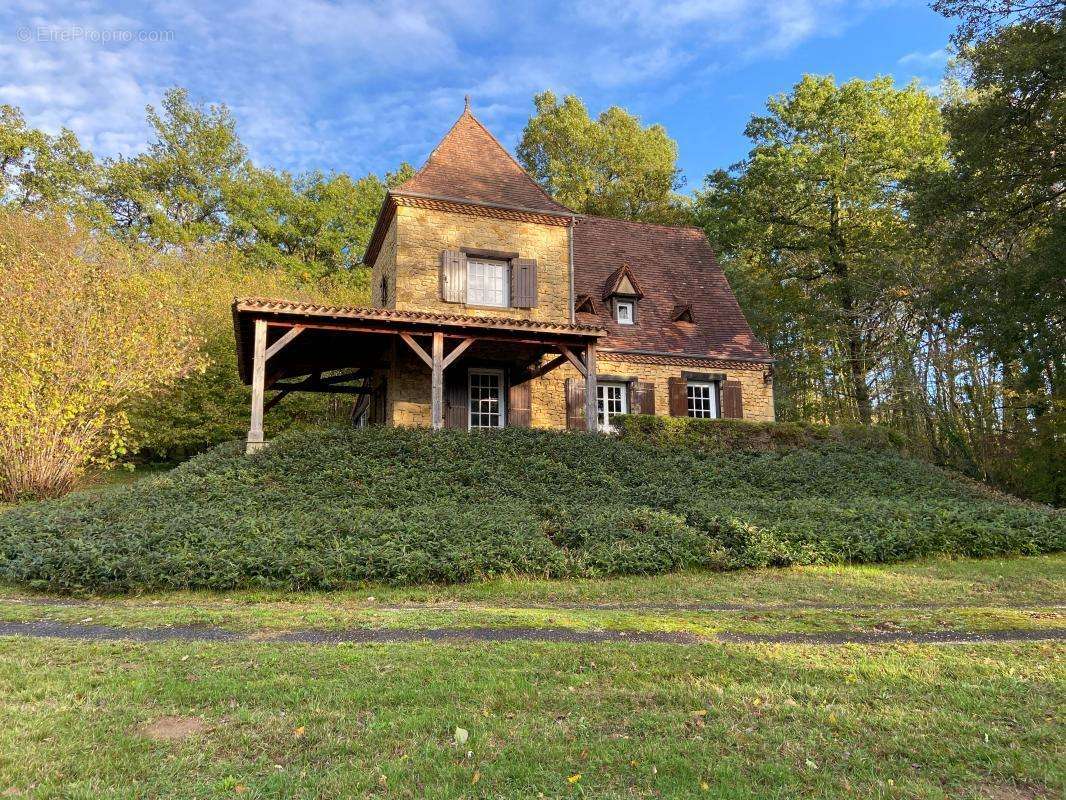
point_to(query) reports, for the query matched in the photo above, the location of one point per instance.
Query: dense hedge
(735, 434)
(328, 508)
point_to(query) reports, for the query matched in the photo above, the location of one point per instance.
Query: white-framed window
(703, 399)
(485, 399)
(488, 283)
(612, 399)
(623, 312)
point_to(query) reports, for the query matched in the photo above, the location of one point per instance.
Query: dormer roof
(623, 283)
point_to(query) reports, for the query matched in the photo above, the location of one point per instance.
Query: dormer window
(622, 293)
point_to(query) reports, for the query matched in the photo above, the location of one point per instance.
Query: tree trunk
(857, 366)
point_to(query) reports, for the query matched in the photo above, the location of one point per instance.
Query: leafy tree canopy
(611, 166)
(38, 171)
(172, 194)
(310, 225)
(815, 213)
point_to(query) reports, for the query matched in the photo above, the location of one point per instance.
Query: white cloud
(362, 84)
(935, 60)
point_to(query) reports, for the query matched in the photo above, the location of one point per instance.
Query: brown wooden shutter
(524, 283)
(575, 404)
(456, 398)
(519, 400)
(678, 397)
(453, 276)
(642, 399)
(732, 400)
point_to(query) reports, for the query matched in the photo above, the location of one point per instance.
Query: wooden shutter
(519, 400)
(678, 397)
(524, 283)
(642, 398)
(575, 404)
(455, 398)
(732, 400)
(453, 276)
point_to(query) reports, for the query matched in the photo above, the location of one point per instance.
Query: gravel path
(474, 605)
(64, 630)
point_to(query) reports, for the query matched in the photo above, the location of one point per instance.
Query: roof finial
(466, 99)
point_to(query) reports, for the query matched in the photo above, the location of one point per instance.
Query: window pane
(485, 400)
(702, 400)
(487, 283)
(611, 400)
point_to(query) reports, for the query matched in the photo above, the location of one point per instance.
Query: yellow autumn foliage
(86, 326)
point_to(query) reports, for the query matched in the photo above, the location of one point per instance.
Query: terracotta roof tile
(675, 267)
(470, 164)
(294, 307)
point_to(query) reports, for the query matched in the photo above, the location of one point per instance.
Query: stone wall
(424, 234)
(409, 388)
(549, 391)
(385, 267)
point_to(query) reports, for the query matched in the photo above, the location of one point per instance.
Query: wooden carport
(288, 346)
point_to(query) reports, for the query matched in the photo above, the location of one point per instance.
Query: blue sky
(360, 86)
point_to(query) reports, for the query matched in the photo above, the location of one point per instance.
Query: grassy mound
(327, 508)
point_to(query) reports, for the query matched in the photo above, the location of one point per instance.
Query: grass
(329, 509)
(605, 721)
(976, 595)
(272, 720)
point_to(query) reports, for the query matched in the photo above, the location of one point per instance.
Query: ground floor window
(486, 399)
(611, 400)
(703, 399)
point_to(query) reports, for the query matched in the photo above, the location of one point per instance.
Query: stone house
(495, 305)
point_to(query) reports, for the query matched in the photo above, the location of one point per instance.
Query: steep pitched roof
(470, 164)
(674, 267)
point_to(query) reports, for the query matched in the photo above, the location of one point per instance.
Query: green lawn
(963, 594)
(272, 720)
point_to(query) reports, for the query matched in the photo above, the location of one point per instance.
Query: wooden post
(592, 417)
(437, 382)
(255, 430)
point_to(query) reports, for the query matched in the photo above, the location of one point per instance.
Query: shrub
(329, 508)
(86, 327)
(735, 434)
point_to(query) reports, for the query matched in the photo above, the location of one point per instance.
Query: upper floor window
(623, 312)
(487, 283)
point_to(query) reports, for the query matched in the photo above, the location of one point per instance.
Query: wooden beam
(255, 429)
(502, 334)
(345, 377)
(458, 351)
(286, 337)
(573, 359)
(273, 401)
(320, 388)
(436, 396)
(592, 416)
(417, 348)
(544, 369)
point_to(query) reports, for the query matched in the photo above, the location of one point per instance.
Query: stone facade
(409, 387)
(423, 234)
(406, 276)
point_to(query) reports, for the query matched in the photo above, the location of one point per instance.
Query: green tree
(173, 193)
(610, 166)
(39, 171)
(815, 214)
(312, 225)
(999, 218)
